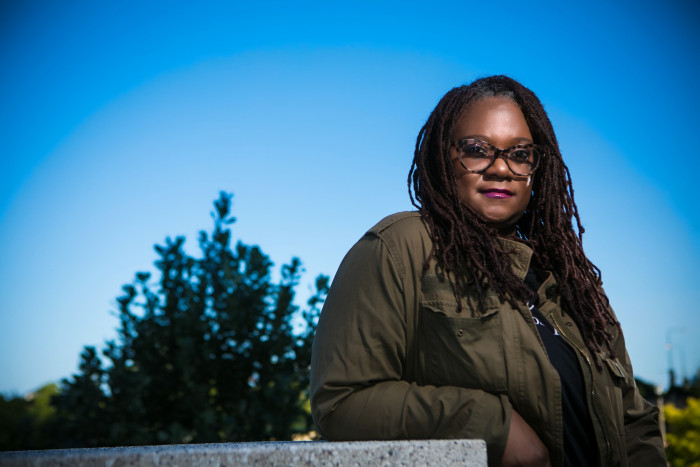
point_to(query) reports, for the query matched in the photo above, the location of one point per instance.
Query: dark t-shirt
(579, 439)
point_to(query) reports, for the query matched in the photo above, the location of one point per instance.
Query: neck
(507, 232)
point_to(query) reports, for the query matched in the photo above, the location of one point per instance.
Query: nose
(499, 168)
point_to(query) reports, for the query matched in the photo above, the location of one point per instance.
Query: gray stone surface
(345, 454)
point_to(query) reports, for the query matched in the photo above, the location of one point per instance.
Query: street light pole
(669, 352)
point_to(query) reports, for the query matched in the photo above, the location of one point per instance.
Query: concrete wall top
(470, 453)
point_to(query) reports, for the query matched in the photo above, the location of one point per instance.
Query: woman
(480, 316)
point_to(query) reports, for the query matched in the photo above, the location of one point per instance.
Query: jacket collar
(520, 255)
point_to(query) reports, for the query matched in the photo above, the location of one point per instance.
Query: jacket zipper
(593, 385)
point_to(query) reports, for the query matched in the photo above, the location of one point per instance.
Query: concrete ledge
(384, 453)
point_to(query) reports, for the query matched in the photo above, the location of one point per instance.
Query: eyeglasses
(477, 156)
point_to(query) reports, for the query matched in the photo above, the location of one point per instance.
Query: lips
(497, 193)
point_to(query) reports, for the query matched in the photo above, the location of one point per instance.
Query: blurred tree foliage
(26, 422)
(683, 434)
(215, 351)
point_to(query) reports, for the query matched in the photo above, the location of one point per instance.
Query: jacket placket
(571, 336)
(556, 423)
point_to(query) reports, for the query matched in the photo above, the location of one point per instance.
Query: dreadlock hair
(465, 245)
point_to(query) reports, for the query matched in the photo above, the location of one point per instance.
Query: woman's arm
(359, 388)
(642, 432)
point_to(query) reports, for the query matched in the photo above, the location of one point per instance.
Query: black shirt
(579, 439)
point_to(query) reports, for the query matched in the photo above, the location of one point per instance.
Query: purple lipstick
(495, 193)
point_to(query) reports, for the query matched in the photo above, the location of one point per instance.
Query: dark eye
(520, 155)
(475, 150)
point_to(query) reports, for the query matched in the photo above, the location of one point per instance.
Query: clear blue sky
(121, 121)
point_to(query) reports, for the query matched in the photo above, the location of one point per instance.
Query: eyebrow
(486, 139)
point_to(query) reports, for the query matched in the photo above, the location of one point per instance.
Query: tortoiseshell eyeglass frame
(537, 151)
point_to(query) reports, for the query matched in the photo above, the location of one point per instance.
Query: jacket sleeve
(642, 432)
(359, 388)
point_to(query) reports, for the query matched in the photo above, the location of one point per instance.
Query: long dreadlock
(462, 241)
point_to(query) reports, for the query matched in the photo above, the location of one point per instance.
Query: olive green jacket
(392, 359)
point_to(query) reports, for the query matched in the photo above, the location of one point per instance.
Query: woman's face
(497, 195)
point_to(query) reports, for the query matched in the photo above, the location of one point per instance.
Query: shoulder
(406, 237)
(401, 224)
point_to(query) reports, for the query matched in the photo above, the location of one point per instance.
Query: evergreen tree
(215, 351)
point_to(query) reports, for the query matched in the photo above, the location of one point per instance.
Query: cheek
(466, 183)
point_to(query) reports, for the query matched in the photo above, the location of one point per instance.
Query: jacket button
(569, 323)
(460, 332)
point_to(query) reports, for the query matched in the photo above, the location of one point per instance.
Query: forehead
(497, 119)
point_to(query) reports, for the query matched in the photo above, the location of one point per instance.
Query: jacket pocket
(461, 350)
(613, 380)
